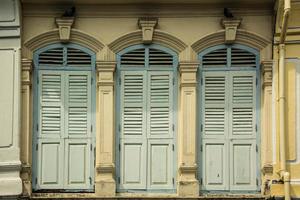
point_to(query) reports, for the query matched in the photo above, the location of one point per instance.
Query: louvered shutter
(159, 129)
(133, 130)
(78, 130)
(50, 126)
(242, 130)
(214, 131)
(216, 58)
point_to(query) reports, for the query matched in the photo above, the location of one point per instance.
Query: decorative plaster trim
(159, 37)
(10, 166)
(147, 25)
(52, 36)
(266, 67)
(188, 168)
(106, 168)
(242, 37)
(230, 26)
(64, 26)
(105, 66)
(188, 66)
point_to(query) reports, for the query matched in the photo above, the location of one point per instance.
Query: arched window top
(229, 56)
(64, 56)
(147, 57)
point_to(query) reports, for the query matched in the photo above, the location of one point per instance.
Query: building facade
(160, 99)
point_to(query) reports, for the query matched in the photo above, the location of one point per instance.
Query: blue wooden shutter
(159, 129)
(50, 135)
(133, 129)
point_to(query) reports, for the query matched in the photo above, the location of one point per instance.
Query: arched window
(147, 91)
(64, 107)
(229, 118)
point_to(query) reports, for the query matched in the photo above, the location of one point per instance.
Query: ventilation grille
(217, 58)
(159, 58)
(76, 57)
(135, 58)
(52, 57)
(242, 58)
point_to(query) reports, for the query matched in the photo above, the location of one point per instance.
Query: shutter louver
(133, 100)
(217, 58)
(242, 58)
(51, 57)
(77, 57)
(135, 58)
(51, 97)
(243, 99)
(78, 102)
(160, 58)
(214, 96)
(160, 101)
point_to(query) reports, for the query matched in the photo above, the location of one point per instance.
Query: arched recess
(243, 37)
(159, 37)
(51, 37)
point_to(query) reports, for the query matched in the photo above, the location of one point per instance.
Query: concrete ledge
(10, 186)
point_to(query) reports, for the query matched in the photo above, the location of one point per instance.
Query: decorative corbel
(64, 26)
(147, 25)
(230, 26)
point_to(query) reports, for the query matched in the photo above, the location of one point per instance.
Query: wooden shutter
(50, 130)
(243, 131)
(133, 130)
(52, 57)
(159, 129)
(214, 131)
(216, 58)
(78, 130)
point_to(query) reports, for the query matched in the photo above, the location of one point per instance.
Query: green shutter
(133, 126)
(50, 136)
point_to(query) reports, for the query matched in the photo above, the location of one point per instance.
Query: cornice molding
(242, 37)
(159, 37)
(50, 37)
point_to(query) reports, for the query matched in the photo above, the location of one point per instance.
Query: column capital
(105, 66)
(266, 67)
(188, 66)
(26, 71)
(105, 71)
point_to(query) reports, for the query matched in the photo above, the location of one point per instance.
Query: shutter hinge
(119, 180)
(201, 127)
(36, 147)
(201, 148)
(173, 181)
(200, 181)
(35, 180)
(173, 81)
(173, 147)
(119, 81)
(37, 80)
(256, 148)
(255, 127)
(257, 182)
(201, 81)
(256, 81)
(91, 128)
(119, 147)
(92, 80)
(91, 147)
(90, 180)
(173, 127)
(119, 127)
(37, 127)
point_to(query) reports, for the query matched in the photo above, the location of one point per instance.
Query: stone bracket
(230, 26)
(64, 26)
(26, 71)
(147, 25)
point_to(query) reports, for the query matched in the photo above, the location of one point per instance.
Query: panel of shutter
(133, 104)
(243, 103)
(135, 58)
(160, 87)
(216, 58)
(242, 58)
(78, 106)
(214, 104)
(51, 57)
(77, 57)
(51, 104)
(159, 58)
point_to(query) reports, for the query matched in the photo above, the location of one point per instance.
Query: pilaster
(105, 184)
(266, 134)
(26, 138)
(187, 184)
